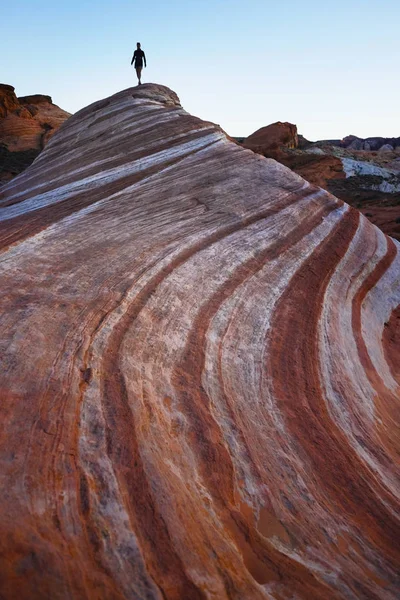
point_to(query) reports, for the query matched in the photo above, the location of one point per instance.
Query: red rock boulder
(272, 138)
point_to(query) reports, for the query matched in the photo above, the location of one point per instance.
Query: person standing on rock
(139, 56)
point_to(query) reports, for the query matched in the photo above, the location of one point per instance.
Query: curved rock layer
(200, 371)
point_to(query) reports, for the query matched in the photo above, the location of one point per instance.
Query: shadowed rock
(200, 371)
(26, 125)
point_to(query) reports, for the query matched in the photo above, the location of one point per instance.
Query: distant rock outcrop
(371, 144)
(26, 125)
(272, 138)
(200, 370)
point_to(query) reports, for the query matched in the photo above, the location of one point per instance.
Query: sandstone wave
(200, 371)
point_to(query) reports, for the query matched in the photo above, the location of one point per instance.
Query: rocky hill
(200, 371)
(26, 125)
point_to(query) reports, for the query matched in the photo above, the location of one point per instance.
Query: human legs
(139, 73)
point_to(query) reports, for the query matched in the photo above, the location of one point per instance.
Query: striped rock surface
(200, 371)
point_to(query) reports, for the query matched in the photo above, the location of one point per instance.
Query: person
(139, 56)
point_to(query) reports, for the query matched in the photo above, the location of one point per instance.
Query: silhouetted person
(139, 56)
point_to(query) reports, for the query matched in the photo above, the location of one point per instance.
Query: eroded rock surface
(26, 125)
(200, 371)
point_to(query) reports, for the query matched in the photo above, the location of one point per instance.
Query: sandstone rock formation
(8, 100)
(26, 125)
(200, 371)
(273, 137)
(371, 144)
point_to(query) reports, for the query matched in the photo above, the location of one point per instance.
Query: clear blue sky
(330, 67)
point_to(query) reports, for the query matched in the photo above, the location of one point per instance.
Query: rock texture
(200, 371)
(26, 125)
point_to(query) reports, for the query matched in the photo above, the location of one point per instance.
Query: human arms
(144, 58)
(133, 57)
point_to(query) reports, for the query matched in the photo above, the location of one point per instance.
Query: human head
(138, 45)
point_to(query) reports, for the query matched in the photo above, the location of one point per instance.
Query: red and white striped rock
(200, 371)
